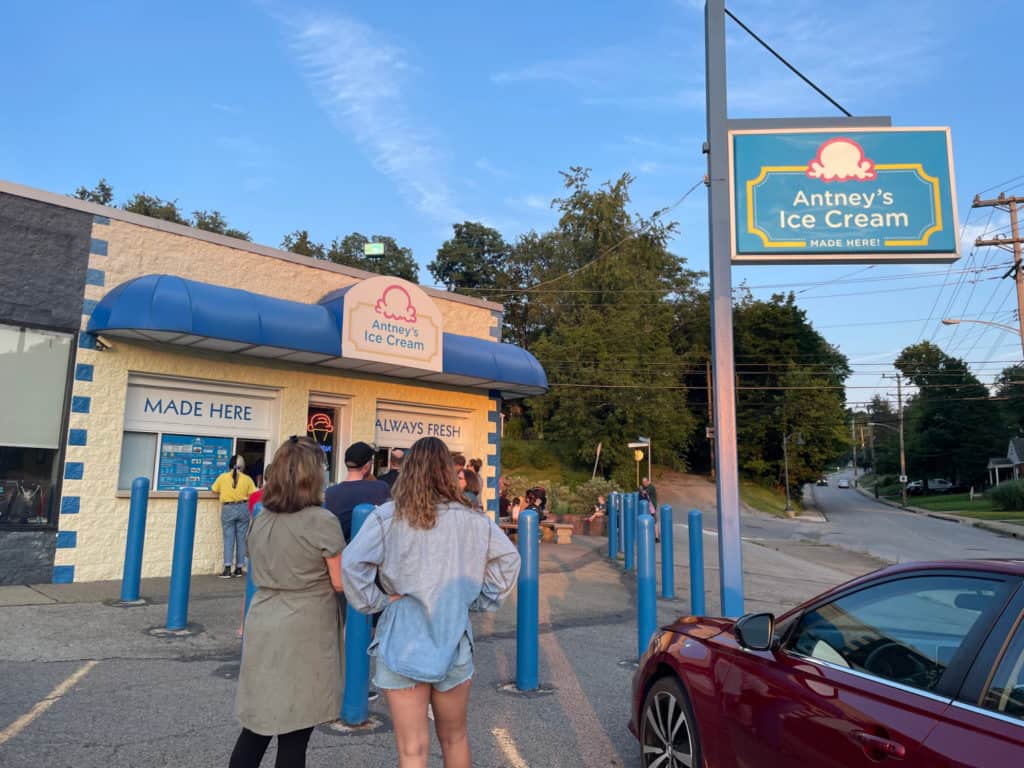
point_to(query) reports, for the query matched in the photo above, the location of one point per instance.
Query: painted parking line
(509, 748)
(52, 698)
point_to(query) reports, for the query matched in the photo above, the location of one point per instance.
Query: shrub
(584, 497)
(1008, 496)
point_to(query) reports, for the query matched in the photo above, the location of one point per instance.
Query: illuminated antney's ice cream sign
(388, 320)
(865, 195)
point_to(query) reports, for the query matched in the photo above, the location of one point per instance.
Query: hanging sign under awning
(389, 320)
(812, 196)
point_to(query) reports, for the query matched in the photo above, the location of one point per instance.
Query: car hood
(701, 627)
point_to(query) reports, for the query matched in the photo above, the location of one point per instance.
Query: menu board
(191, 460)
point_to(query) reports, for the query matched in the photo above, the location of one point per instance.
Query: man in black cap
(357, 487)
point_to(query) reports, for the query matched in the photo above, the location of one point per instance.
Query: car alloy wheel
(668, 735)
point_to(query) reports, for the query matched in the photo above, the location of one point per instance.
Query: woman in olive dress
(290, 680)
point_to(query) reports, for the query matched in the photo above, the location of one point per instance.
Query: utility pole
(853, 442)
(903, 454)
(1012, 243)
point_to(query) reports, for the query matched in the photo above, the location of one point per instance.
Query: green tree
(473, 260)
(952, 424)
(301, 243)
(214, 221)
(102, 193)
(883, 441)
(155, 207)
(396, 260)
(1010, 390)
(608, 352)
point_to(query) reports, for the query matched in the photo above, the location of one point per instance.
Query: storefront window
(182, 434)
(33, 378)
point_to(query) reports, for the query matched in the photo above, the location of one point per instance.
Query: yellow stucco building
(192, 347)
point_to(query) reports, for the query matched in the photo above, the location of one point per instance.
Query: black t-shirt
(389, 477)
(342, 498)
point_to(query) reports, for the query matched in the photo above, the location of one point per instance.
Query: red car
(921, 664)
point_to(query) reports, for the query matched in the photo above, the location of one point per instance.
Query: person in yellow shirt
(234, 487)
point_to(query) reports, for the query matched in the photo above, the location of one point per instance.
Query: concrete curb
(993, 526)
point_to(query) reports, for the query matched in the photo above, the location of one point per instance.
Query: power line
(791, 68)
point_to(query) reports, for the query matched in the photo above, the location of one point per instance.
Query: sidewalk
(142, 701)
(1013, 530)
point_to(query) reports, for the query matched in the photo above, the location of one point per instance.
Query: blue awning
(169, 309)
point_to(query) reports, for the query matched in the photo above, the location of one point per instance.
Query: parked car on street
(919, 662)
(844, 483)
(936, 485)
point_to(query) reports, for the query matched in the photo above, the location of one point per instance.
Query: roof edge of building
(67, 201)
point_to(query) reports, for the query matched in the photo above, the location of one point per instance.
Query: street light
(1001, 326)
(798, 439)
(903, 457)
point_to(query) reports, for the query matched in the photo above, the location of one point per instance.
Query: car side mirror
(755, 631)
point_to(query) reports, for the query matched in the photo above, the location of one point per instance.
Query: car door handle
(888, 747)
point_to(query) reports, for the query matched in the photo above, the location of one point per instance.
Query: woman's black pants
(291, 749)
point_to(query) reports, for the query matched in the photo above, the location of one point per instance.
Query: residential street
(857, 523)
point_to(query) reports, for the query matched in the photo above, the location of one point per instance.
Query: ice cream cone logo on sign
(320, 426)
(395, 304)
(388, 320)
(841, 159)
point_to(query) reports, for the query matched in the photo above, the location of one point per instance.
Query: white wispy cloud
(534, 202)
(485, 165)
(360, 81)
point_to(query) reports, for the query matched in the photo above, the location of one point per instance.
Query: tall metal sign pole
(730, 554)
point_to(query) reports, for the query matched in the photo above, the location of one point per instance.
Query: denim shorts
(462, 670)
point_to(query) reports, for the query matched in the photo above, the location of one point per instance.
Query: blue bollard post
(250, 585)
(527, 603)
(668, 556)
(181, 566)
(132, 575)
(613, 534)
(646, 587)
(629, 530)
(355, 702)
(620, 521)
(695, 529)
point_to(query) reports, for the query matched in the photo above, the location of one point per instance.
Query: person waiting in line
(234, 488)
(649, 503)
(458, 461)
(256, 497)
(537, 498)
(357, 488)
(476, 465)
(291, 675)
(471, 486)
(504, 502)
(515, 508)
(394, 465)
(426, 560)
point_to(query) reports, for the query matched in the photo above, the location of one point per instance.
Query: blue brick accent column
(494, 450)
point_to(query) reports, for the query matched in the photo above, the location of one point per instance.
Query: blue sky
(400, 118)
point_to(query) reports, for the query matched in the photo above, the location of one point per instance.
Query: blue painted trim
(105, 220)
(81, 404)
(67, 539)
(63, 574)
(86, 341)
(494, 417)
(492, 482)
(74, 470)
(95, 276)
(83, 372)
(492, 506)
(70, 505)
(494, 461)
(495, 331)
(98, 247)
(77, 436)
(493, 439)
(88, 306)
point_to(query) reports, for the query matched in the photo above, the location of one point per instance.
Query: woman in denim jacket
(436, 559)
